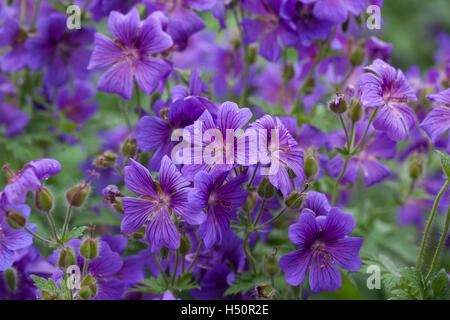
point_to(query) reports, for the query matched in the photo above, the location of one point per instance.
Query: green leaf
(184, 282)
(45, 285)
(440, 281)
(152, 285)
(445, 162)
(244, 283)
(401, 294)
(75, 233)
(415, 280)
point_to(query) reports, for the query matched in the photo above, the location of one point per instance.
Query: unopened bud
(357, 56)
(67, 257)
(288, 72)
(338, 104)
(44, 199)
(106, 160)
(88, 288)
(129, 148)
(15, 219)
(310, 85)
(265, 189)
(264, 291)
(76, 196)
(294, 200)
(10, 279)
(356, 110)
(310, 164)
(251, 201)
(185, 244)
(416, 164)
(250, 55)
(89, 248)
(271, 265)
(164, 253)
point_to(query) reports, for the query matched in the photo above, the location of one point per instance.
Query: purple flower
(157, 204)
(15, 58)
(300, 17)
(317, 204)
(102, 8)
(220, 199)
(13, 119)
(12, 239)
(28, 178)
(380, 146)
(337, 11)
(131, 54)
(376, 48)
(324, 242)
(388, 89)
(62, 51)
(269, 26)
(183, 23)
(437, 121)
(76, 105)
(230, 119)
(280, 155)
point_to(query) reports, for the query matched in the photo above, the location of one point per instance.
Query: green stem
(429, 223)
(39, 237)
(161, 270)
(138, 97)
(250, 258)
(66, 221)
(23, 13)
(345, 130)
(338, 180)
(255, 223)
(37, 5)
(253, 176)
(196, 256)
(174, 275)
(440, 245)
(124, 110)
(372, 118)
(52, 225)
(85, 266)
(272, 220)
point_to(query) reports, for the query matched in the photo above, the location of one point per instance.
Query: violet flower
(131, 54)
(220, 198)
(157, 204)
(324, 243)
(388, 89)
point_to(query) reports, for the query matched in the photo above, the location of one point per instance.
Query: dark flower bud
(185, 244)
(139, 234)
(66, 257)
(264, 291)
(338, 104)
(164, 253)
(129, 148)
(106, 160)
(271, 265)
(265, 189)
(10, 279)
(49, 296)
(15, 219)
(288, 72)
(250, 55)
(88, 288)
(250, 202)
(356, 110)
(416, 165)
(44, 199)
(357, 56)
(310, 164)
(310, 85)
(76, 196)
(89, 248)
(294, 200)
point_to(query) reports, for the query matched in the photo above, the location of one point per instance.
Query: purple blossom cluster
(211, 221)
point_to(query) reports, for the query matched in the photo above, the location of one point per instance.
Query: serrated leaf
(415, 280)
(440, 281)
(401, 294)
(152, 285)
(75, 233)
(184, 282)
(245, 282)
(445, 162)
(44, 284)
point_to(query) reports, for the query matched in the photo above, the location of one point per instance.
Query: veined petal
(170, 178)
(124, 28)
(345, 252)
(337, 224)
(295, 265)
(396, 120)
(106, 52)
(323, 276)
(161, 231)
(436, 123)
(152, 39)
(136, 213)
(153, 132)
(303, 233)
(118, 79)
(139, 180)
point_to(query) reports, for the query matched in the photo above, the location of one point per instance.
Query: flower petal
(295, 265)
(136, 213)
(139, 180)
(118, 79)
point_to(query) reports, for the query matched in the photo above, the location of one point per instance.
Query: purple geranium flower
(337, 11)
(15, 58)
(12, 239)
(437, 121)
(28, 178)
(13, 119)
(270, 27)
(324, 242)
(280, 155)
(388, 89)
(380, 146)
(77, 105)
(157, 203)
(61, 50)
(220, 199)
(131, 54)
